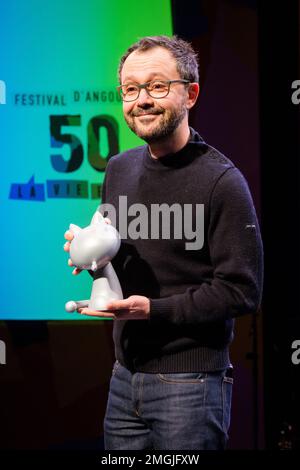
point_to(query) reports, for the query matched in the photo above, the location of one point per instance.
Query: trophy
(92, 248)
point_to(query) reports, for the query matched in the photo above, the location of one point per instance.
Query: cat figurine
(92, 248)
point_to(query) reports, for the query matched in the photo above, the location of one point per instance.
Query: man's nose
(144, 98)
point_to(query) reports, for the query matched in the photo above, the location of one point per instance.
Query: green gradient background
(56, 47)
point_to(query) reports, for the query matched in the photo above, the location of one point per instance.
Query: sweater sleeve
(236, 254)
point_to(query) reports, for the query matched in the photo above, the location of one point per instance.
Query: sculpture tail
(73, 305)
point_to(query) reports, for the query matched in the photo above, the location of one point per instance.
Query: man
(171, 383)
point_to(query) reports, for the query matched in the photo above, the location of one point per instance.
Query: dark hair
(182, 51)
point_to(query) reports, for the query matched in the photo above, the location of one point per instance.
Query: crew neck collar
(178, 159)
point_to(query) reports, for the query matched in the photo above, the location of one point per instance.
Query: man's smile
(146, 116)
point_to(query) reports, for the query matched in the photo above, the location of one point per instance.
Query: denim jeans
(182, 411)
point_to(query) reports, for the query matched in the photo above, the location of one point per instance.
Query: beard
(160, 130)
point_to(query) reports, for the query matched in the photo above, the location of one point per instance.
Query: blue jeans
(182, 411)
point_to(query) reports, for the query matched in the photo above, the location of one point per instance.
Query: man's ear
(193, 92)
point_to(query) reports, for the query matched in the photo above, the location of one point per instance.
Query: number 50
(97, 161)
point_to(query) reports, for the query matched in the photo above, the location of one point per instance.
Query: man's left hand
(135, 307)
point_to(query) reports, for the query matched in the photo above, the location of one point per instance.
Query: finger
(69, 235)
(76, 271)
(70, 262)
(107, 220)
(67, 246)
(118, 305)
(95, 313)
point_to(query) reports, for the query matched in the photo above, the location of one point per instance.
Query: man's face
(150, 118)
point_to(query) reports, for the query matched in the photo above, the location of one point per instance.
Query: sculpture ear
(75, 229)
(97, 218)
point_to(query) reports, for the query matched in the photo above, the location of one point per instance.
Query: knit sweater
(195, 294)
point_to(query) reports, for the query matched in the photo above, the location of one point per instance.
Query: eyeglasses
(156, 89)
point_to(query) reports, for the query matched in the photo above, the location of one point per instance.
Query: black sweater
(194, 294)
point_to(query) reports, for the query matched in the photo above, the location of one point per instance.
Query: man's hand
(69, 236)
(135, 307)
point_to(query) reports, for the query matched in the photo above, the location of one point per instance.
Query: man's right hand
(69, 236)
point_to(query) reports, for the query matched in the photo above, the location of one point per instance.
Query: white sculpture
(93, 248)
